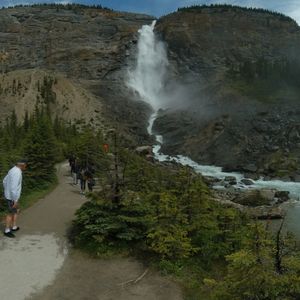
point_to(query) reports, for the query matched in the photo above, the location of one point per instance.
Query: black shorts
(10, 208)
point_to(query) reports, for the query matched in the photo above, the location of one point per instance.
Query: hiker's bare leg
(8, 222)
(14, 220)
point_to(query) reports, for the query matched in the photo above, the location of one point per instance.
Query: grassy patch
(31, 197)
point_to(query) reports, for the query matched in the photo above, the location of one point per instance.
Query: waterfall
(148, 79)
(148, 76)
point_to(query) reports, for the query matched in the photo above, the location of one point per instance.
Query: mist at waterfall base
(148, 79)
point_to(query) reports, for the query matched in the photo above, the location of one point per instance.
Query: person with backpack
(12, 184)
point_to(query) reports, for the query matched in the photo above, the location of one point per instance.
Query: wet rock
(282, 196)
(231, 180)
(247, 181)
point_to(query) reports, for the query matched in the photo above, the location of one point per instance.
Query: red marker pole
(106, 148)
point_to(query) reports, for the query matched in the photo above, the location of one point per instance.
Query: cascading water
(148, 77)
(148, 80)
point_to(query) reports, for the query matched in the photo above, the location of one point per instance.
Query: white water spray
(148, 77)
(148, 80)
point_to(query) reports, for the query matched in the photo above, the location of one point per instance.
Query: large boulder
(255, 197)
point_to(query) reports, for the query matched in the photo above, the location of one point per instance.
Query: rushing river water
(148, 79)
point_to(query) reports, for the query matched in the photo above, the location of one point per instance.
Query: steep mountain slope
(85, 49)
(21, 91)
(241, 70)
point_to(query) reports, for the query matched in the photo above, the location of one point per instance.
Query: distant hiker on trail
(75, 169)
(72, 163)
(78, 173)
(90, 181)
(12, 184)
(83, 178)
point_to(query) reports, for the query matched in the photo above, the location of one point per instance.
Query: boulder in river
(231, 180)
(282, 196)
(247, 181)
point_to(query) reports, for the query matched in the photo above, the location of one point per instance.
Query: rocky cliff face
(86, 48)
(243, 69)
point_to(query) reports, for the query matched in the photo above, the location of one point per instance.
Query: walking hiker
(90, 181)
(12, 184)
(83, 178)
(73, 166)
(76, 170)
(78, 173)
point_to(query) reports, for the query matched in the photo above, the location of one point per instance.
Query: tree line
(235, 8)
(68, 6)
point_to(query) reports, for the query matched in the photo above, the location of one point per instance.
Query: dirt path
(39, 263)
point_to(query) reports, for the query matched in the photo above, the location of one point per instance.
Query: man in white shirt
(12, 184)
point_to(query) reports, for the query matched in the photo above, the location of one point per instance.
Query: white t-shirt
(12, 184)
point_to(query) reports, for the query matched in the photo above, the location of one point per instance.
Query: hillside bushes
(161, 211)
(165, 213)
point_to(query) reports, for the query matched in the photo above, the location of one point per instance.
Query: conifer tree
(41, 150)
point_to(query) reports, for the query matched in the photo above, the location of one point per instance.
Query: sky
(162, 7)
